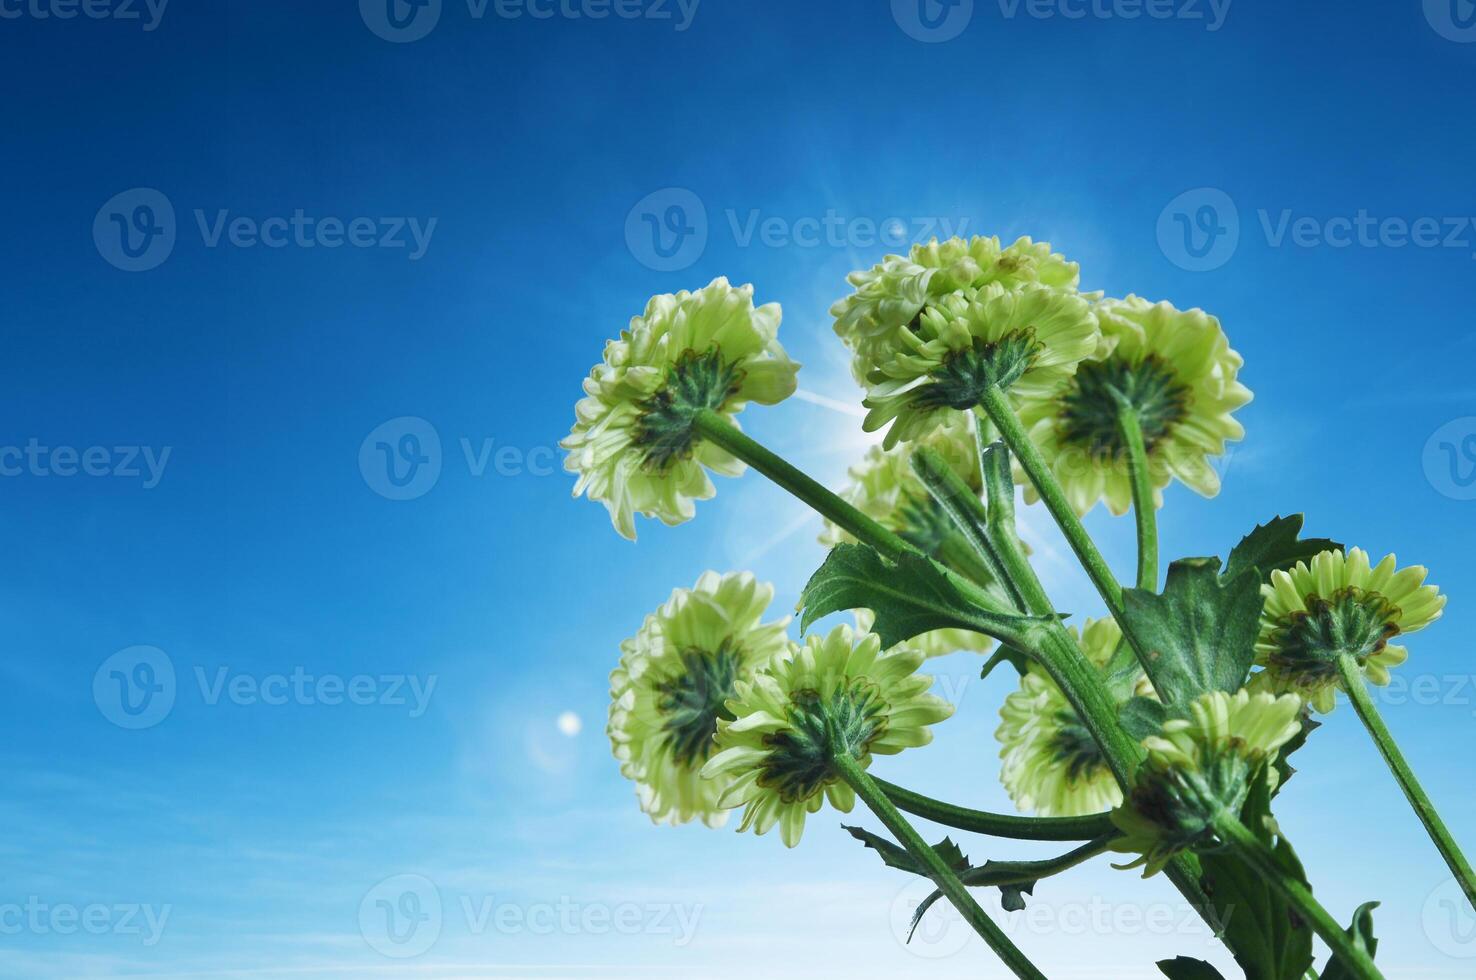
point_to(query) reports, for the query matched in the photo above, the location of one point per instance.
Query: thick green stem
(997, 407)
(719, 431)
(938, 870)
(997, 824)
(1363, 704)
(1145, 508)
(967, 511)
(1253, 852)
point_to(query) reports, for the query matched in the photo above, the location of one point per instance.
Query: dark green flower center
(1089, 412)
(1352, 621)
(961, 379)
(694, 382)
(1184, 801)
(693, 699)
(799, 761)
(1073, 745)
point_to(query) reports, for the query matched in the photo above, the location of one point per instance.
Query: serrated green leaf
(1275, 546)
(1188, 968)
(1362, 932)
(892, 855)
(1142, 717)
(1269, 939)
(1284, 768)
(910, 596)
(1199, 634)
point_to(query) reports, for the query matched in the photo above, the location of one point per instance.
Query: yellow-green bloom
(837, 693)
(632, 443)
(670, 690)
(890, 295)
(1177, 370)
(1339, 604)
(1199, 766)
(1026, 341)
(1051, 764)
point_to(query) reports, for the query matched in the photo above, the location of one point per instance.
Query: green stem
(997, 873)
(1357, 690)
(1250, 849)
(719, 431)
(996, 824)
(1145, 509)
(938, 870)
(997, 407)
(966, 511)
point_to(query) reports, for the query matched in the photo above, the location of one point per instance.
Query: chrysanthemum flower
(1200, 766)
(1051, 764)
(1338, 604)
(632, 443)
(837, 693)
(1177, 370)
(670, 690)
(1026, 341)
(890, 295)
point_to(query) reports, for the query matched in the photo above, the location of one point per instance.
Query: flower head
(1051, 764)
(837, 693)
(1339, 604)
(633, 443)
(1026, 341)
(1176, 369)
(1200, 766)
(890, 295)
(669, 692)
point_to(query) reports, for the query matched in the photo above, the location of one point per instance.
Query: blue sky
(401, 700)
